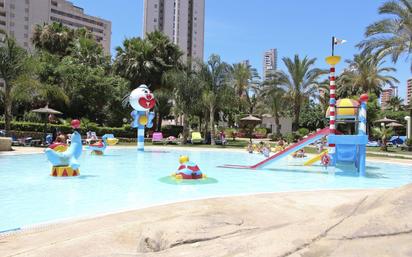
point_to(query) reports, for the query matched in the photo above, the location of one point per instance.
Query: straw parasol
(250, 122)
(394, 124)
(46, 110)
(384, 120)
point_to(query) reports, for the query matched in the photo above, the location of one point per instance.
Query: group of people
(261, 148)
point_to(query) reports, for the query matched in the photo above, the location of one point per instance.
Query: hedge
(124, 132)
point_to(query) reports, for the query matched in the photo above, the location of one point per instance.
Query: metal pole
(333, 45)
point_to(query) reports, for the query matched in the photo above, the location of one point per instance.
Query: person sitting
(61, 139)
(260, 147)
(223, 137)
(300, 153)
(250, 148)
(266, 150)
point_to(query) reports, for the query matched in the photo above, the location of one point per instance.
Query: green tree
(15, 71)
(144, 61)
(243, 77)
(312, 116)
(93, 92)
(395, 103)
(384, 134)
(301, 80)
(365, 74)
(163, 105)
(214, 74)
(54, 38)
(274, 100)
(393, 34)
(186, 94)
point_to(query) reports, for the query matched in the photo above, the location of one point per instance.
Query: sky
(243, 29)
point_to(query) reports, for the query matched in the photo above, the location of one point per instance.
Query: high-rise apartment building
(183, 21)
(19, 17)
(270, 59)
(409, 91)
(386, 96)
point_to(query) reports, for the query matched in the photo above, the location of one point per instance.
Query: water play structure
(142, 100)
(65, 160)
(100, 147)
(188, 170)
(343, 149)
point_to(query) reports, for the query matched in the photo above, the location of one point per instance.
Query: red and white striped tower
(332, 61)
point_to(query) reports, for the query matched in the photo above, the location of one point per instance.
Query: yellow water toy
(345, 107)
(316, 158)
(112, 141)
(64, 171)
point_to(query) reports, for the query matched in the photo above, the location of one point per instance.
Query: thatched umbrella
(46, 110)
(250, 122)
(394, 124)
(384, 120)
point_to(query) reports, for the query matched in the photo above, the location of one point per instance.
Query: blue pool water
(125, 179)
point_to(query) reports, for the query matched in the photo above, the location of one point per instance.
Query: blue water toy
(65, 160)
(142, 100)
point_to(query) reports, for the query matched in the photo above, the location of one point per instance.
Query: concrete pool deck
(322, 223)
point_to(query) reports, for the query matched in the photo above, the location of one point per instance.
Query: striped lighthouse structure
(362, 133)
(332, 61)
(362, 114)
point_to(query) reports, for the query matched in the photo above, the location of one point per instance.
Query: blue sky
(244, 29)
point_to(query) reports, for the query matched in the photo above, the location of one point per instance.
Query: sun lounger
(157, 137)
(196, 138)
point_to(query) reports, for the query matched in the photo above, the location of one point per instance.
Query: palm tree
(395, 103)
(214, 74)
(243, 78)
(87, 51)
(323, 94)
(274, 99)
(392, 35)
(365, 75)
(383, 133)
(144, 61)
(186, 94)
(54, 38)
(301, 80)
(163, 105)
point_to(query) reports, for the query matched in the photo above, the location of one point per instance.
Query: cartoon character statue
(142, 100)
(188, 170)
(65, 160)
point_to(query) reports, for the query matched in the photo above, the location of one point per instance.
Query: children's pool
(125, 179)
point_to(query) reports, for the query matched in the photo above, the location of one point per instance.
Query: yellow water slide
(316, 158)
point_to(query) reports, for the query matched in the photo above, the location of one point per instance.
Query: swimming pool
(124, 179)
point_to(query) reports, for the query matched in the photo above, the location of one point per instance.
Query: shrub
(303, 132)
(125, 131)
(230, 133)
(32, 117)
(408, 142)
(291, 137)
(262, 131)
